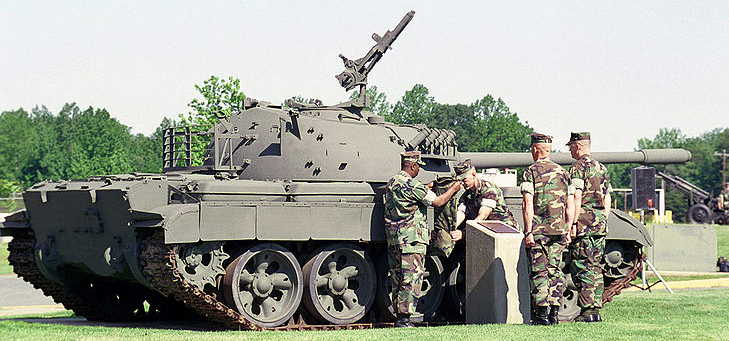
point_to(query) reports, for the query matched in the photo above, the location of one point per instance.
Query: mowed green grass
(5, 267)
(722, 241)
(686, 315)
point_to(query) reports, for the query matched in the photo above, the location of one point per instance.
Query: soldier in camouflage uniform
(482, 200)
(722, 201)
(546, 206)
(591, 184)
(406, 202)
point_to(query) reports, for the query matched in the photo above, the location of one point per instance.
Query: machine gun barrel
(356, 71)
(645, 156)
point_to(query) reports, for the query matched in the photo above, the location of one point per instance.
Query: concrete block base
(497, 276)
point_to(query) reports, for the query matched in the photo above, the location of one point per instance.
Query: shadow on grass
(68, 319)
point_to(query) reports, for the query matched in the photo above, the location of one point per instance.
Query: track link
(618, 285)
(159, 264)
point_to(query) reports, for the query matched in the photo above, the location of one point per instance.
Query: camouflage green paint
(484, 189)
(406, 271)
(546, 270)
(407, 239)
(586, 253)
(405, 209)
(441, 243)
(547, 182)
(592, 178)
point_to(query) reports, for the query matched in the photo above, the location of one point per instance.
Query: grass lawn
(687, 315)
(722, 241)
(5, 267)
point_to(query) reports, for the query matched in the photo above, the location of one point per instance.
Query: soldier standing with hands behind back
(406, 203)
(547, 209)
(591, 184)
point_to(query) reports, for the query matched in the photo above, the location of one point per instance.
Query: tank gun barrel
(644, 156)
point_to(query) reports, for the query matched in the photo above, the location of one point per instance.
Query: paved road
(17, 292)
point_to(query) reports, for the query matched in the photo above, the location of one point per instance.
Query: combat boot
(540, 316)
(403, 321)
(554, 315)
(596, 315)
(588, 315)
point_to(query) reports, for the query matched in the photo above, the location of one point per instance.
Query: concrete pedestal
(683, 247)
(497, 276)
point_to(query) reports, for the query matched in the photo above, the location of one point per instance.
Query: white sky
(620, 69)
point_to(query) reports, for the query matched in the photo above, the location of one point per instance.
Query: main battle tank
(275, 222)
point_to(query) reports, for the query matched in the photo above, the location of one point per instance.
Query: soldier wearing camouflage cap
(591, 184)
(406, 202)
(482, 200)
(547, 209)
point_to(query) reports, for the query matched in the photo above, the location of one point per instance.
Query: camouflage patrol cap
(412, 156)
(541, 138)
(462, 169)
(574, 137)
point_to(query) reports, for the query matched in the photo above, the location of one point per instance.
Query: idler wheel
(264, 284)
(432, 290)
(339, 284)
(617, 261)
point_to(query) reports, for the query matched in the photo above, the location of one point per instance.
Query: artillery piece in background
(279, 222)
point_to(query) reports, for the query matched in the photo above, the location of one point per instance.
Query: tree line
(76, 143)
(704, 170)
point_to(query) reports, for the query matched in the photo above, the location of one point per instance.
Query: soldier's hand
(456, 186)
(568, 238)
(430, 185)
(529, 240)
(456, 235)
(573, 232)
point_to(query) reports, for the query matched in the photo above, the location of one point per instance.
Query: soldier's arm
(577, 205)
(460, 215)
(577, 182)
(443, 198)
(488, 202)
(570, 214)
(483, 212)
(607, 203)
(527, 209)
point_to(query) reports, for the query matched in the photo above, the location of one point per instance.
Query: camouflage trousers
(586, 253)
(546, 269)
(406, 270)
(441, 243)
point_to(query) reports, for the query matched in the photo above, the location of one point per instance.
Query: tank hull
(152, 232)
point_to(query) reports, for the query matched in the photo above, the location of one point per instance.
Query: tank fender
(623, 226)
(181, 222)
(12, 222)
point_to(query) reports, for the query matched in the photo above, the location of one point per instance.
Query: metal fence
(12, 203)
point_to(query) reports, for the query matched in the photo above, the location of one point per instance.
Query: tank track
(158, 261)
(617, 286)
(22, 259)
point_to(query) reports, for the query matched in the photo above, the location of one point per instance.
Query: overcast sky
(620, 69)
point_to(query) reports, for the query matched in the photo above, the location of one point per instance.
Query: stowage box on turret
(276, 223)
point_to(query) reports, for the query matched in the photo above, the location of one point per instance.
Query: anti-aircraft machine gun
(277, 224)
